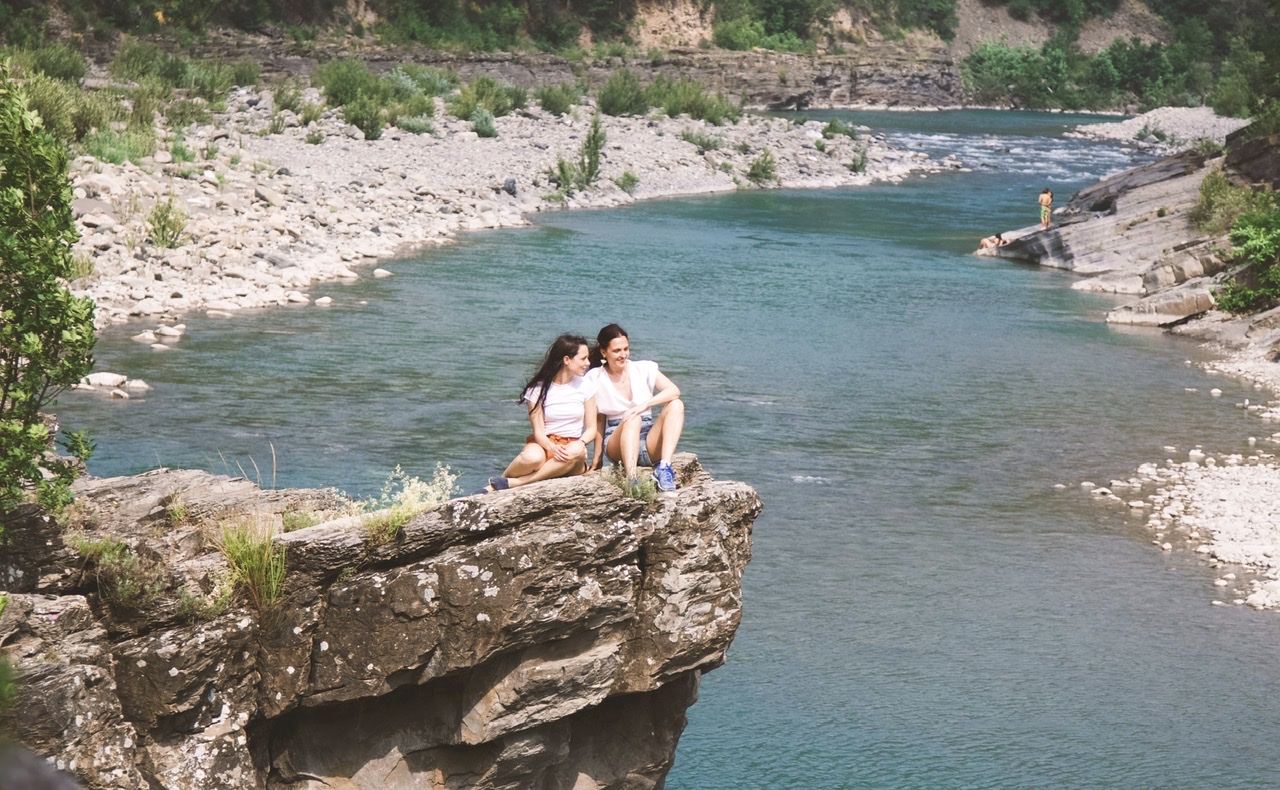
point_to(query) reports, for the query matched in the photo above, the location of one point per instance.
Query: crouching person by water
(625, 399)
(562, 411)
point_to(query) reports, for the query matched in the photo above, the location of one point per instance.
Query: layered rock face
(545, 637)
(1132, 234)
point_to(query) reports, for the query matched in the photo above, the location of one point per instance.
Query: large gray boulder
(546, 637)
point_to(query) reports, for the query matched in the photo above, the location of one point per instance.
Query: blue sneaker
(665, 476)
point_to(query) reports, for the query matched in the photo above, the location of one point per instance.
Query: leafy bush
(627, 182)
(344, 80)
(245, 73)
(365, 114)
(184, 112)
(311, 113)
(416, 124)
(46, 334)
(686, 96)
(764, 168)
(622, 94)
(644, 489)
(146, 100)
(428, 81)
(482, 123)
(125, 579)
(403, 497)
(486, 93)
(137, 60)
(836, 128)
(167, 223)
(56, 101)
(1221, 203)
(557, 99)
(59, 61)
(211, 81)
(589, 153)
(115, 147)
(704, 142)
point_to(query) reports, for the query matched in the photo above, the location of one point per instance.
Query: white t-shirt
(610, 403)
(562, 413)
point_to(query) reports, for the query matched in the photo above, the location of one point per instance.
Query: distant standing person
(562, 413)
(625, 396)
(1046, 208)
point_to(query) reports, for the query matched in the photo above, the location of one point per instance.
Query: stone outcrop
(545, 637)
(1132, 234)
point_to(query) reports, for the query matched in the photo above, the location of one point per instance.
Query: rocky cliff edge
(546, 637)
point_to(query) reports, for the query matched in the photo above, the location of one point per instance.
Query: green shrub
(589, 153)
(644, 489)
(343, 81)
(314, 138)
(115, 147)
(837, 128)
(81, 267)
(365, 114)
(704, 142)
(181, 153)
(138, 60)
(56, 102)
(622, 94)
(557, 99)
(487, 93)
(211, 81)
(294, 520)
(167, 223)
(245, 73)
(257, 562)
(125, 579)
(685, 96)
(403, 497)
(95, 110)
(429, 81)
(184, 112)
(739, 34)
(627, 182)
(59, 61)
(311, 113)
(482, 123)
(859, 162)
(150, 97)
(416, 124)
(1255, 238)
(288, 96)
(1220, 203)
(764, 168)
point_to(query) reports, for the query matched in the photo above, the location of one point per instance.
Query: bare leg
(551, 470)
(624, 445)
(527, 462)
(666, 430)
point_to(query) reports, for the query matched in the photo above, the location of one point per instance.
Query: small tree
(46, 334)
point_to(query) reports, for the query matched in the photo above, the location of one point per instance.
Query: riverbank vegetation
(1221, 55)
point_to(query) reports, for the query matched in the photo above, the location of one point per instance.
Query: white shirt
(610, 403)
(563, 411)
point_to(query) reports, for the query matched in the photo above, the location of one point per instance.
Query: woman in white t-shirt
(625, 397)
(562, 411)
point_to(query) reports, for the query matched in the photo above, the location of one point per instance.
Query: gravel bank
(274, 214)
(1179, 126)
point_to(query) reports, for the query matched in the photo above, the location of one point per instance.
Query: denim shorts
(646, 422)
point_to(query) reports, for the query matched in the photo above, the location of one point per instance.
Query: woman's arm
(539, 423)
(667, 392)
(598, 453)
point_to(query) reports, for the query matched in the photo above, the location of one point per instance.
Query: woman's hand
(568, 452)
(633, 413)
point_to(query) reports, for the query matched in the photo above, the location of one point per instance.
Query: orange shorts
(555, 439)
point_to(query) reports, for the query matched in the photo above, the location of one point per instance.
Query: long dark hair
(561, 347)
(607, 335)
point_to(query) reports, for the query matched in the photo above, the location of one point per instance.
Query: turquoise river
(924, 609)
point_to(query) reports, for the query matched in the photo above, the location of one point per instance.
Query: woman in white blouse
(626, 391)
(562, 412)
